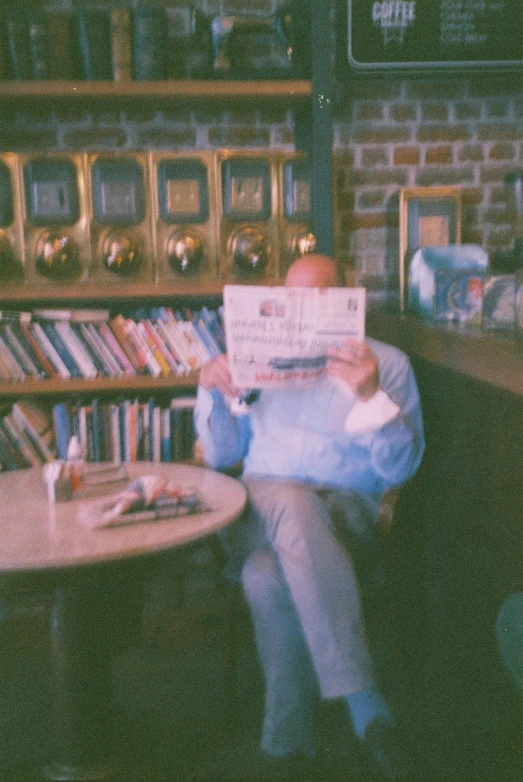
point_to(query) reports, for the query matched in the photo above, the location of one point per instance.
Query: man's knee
(262, 578)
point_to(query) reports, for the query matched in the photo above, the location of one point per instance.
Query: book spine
(145, 357)
(156, 429)
(114, 414)
(61, 349)
(37, 350)
(117, 327)
(50, 351)
(17, 30)
(145, 330)
(121, 44)
(19, 353)
(112, 368)
(94, 35)
(94, 351)
(20, 441)
(180, 343)
(84, 365)
(62, 428)
(95, 419)
(169, 346)
(165, 439)
(149, 37)
(17, 458)
(62, 58)
(39, 43)
(44, 452)
(91, 370)
(107, 336)
(15, 370)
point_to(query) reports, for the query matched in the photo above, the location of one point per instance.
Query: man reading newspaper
(317, 457)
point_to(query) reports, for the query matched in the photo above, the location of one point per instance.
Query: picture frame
(429, 217)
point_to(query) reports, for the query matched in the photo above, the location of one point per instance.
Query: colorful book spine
(119, 330)
(39, 444)
(62, 428)
(50, 351)
(19, 352)
(93, 349)
(94, 37)
(76, 350)
(15, 370)
(49, 370)
(61, 349)
(114, 347)
(21, 441)
(149, 39)
(165, 435)
(121, 50)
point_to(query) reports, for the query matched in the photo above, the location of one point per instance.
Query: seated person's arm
(387, 415)
(223, 437)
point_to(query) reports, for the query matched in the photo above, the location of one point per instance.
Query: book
(145, 357)
(118, 328)
(50, 351)
(40, 44)
(94, 42)
(499, 301)
(156, 429)
(114, 417)
(74, 315)
(458, 296)
(63, 58)
(17, 31)
(107, 336)
(93, 349)
(162, 346)
(15, 316)
(15, 370)
(110, 365)
(49, 369)
(19, 352)
(20, 440)
(62, 428)
(58, 344)
(121, 50)
(161, 361)
(37, 437)
(10, 449)
(95, 423)
(165, 435)
(76, 349)
(149, 43)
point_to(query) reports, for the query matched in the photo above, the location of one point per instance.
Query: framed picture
(429, 217)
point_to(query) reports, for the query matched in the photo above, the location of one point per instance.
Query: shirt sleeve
(371, 415)
(223, 437)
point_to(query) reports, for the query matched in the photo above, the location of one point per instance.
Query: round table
(44, 540)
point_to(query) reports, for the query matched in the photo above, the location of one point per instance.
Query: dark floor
(175, 723)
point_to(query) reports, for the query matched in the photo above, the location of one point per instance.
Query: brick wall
(388, 134)
(426, 131)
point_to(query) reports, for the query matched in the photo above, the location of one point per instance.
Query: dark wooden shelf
(298, 89)
(113, 385)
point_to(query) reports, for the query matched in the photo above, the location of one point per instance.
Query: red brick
(443, 133)
(472, 195)
(498, 131)
(367, 220)
(438, 155)
(406, 156)
(502, 152)
(497, 109)
(392, 176)
(372, 199)
(368, 134)
(492, 174)
(368, 110)
(470, 153)
(431, 177)
(375, 156)
(464, 109)
(434, 112)
(402, 112)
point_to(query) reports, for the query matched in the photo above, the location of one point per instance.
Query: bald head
(312, 270)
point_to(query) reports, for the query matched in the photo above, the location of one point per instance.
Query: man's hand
(215, 374)
(356, 364)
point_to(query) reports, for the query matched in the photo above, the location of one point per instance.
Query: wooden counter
(494, 357)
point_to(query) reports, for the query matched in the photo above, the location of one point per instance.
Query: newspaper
(278, 335)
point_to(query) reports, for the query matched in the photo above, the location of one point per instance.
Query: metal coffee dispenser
(296, 234)
(11, 238)
(121, 225)
(55, 222)
(184, 216)
(249, 240)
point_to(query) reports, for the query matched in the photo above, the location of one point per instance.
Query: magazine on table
(279, 335)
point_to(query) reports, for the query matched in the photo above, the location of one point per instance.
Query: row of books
(128, 430)
(124, 431)
(91, 343)
(91, 42)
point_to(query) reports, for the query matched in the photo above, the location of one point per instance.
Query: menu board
(434, 34)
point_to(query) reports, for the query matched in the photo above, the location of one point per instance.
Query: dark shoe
(383, 751)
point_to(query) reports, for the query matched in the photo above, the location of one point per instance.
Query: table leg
(81, 688)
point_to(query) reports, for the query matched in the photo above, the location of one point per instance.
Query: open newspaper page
(278, 335)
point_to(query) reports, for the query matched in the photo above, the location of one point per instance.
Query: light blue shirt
(300, 433)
